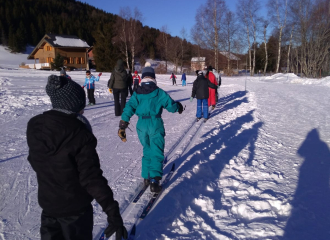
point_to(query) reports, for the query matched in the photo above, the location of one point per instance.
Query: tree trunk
(266, 53)
(279, 50)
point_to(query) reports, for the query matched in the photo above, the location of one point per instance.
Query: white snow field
(257, 169)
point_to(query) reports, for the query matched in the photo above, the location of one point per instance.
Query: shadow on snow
(310, 215)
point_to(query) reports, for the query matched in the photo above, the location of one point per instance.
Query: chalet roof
(65, 41)
(60, 41)
(230, 56)
(198, 59)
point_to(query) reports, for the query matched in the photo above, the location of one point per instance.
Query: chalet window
(74, 60)
(49, 48)
(78, 60)
(65, 61)
(49, 60)
(82, 60)
(71, 60)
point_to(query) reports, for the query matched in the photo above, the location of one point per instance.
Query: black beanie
(65, 94)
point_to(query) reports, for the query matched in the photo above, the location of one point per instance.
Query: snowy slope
(258, 169)
(10, 60)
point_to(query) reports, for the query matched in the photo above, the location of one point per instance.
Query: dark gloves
(116, 224)
(180, 107)
(121, 131)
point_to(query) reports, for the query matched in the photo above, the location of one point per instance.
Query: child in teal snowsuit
(147, 102)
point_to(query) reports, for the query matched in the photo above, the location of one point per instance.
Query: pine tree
(104, 51)
(58, 62)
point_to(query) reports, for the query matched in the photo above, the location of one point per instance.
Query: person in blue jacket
(90, 85)
(148, 102)
(183, 79)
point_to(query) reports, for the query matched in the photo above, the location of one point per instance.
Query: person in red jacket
(212, 92)
(136, 80)
(173, 77)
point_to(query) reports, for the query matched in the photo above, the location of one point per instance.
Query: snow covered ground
(258, 169)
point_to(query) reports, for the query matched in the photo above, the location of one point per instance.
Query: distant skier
(183, 79)
(147, 103)
(212, 92)
(136, 80)
(118, 85)
(62, 152)
(200, 90)
(173, 77)
(63, 73)
(90, 85)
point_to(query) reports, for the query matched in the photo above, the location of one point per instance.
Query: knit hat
(65, 94)
(148, 71)
(63, 72)
(136, 72)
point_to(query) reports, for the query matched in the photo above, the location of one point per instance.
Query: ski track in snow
(238, 176)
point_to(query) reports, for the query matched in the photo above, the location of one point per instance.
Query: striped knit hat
(65, 94)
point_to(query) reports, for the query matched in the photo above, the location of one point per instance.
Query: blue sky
(176, 14)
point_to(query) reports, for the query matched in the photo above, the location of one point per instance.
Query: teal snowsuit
(150, 126)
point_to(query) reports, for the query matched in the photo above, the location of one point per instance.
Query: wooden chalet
(197, 63)
(73, 49)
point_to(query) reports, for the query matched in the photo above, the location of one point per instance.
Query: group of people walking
(62, 146)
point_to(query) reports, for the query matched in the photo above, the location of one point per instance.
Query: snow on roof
(232, 56)
(198, 59)
(70, 42)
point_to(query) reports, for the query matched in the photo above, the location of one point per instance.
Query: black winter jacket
(119, 78)
(62, 152)
(201, 87)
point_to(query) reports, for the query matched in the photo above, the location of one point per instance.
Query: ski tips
(165, 160)
(132, 233)
(173, 166)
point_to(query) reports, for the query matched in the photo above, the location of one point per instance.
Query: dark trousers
(90, 94)
(135, 86)
(119, 106)
(130, 90)
(174, 81)
(78, 227)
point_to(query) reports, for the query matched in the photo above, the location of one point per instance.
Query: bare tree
(175, 54)
(280, 17)
(122, 30)
(265, 42)
(229, 30)
(183, 34)
(312, 34)
(134, 28)
(209, 20)
(244, 12)
(162, 43)
(253, 9)
(289, 50)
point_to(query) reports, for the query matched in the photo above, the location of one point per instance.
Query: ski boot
(213, 107)
(154, 185)
(205, 119)
(146, 182)
(197, 119)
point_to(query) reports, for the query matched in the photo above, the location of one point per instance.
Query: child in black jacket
(201, 92)
(62, 152)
